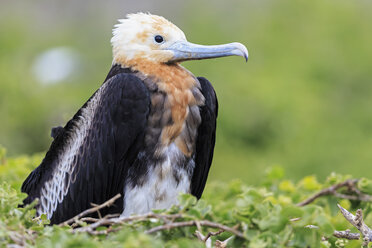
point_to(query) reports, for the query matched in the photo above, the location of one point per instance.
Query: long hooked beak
(184, 50)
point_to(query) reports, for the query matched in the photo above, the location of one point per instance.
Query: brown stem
(346, 235)
(120, 220)
(332, 190)
(91, 210)
(193, 223)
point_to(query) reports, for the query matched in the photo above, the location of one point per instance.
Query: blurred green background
(303, 100)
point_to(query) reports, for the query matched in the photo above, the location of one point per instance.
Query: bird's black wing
(206, 138)
(88, 160)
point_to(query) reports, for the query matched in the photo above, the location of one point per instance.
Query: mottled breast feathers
(176, 92)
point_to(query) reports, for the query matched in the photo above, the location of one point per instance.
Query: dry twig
(91, 210)
(346, 235)
(207, 239)
(294, 219)
(167, 218)
(210, 234)
(202, 238)
(193, 223)
(358, 223)
(120, 220)
(332, 190)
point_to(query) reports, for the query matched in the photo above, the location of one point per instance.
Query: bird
(147, 133)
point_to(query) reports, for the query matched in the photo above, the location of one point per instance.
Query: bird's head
(153, 38)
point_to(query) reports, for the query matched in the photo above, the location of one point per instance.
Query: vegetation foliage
(266, 215)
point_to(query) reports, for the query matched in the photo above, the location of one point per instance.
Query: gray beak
(184, 50)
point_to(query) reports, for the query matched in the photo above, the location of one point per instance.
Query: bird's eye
(159, 39)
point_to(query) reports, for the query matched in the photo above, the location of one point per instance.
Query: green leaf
(187, 200)
(365, 185)
(274, 173)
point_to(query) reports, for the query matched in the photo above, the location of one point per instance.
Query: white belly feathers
(160, 188)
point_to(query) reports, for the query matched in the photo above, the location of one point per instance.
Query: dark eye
(159, 38)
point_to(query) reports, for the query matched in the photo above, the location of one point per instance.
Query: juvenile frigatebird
(148, 132)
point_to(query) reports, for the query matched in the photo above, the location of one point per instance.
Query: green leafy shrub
(266, 215)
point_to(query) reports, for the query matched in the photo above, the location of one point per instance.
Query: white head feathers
(133, 38)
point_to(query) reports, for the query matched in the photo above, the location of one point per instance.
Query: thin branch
(346, 235)
(210, 234)
(202, 238)
(348, 197)
(193, 223)
(358, 223)
(332, 190)
(312, 227)
(207, 239)
(91, 229)
(103, 232)
(91, 210)
(120, 220)
(89, 219)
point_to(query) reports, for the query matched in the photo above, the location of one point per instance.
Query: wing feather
(90, 156)
(206, 138)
